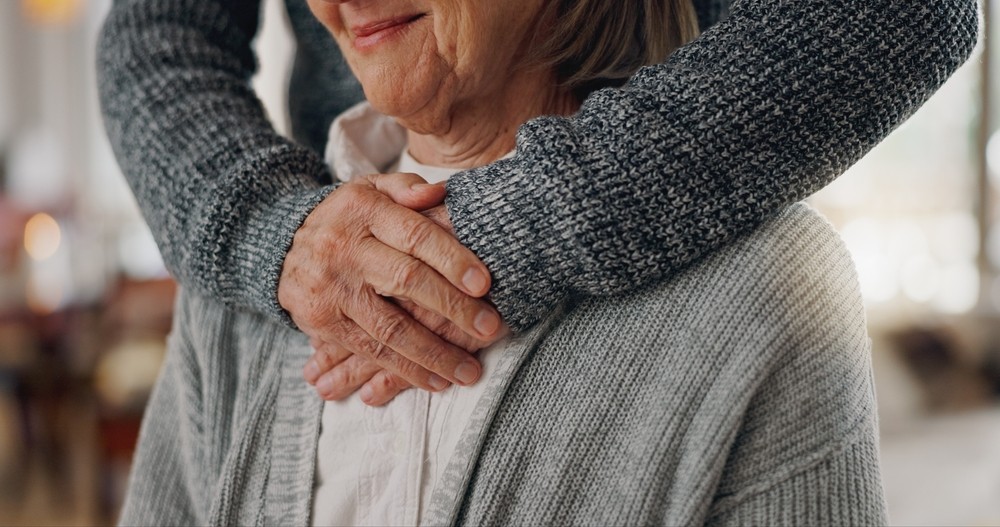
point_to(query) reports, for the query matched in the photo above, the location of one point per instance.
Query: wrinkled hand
(336, 373)
(366, 240)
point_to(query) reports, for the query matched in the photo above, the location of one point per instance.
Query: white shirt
(379, 466)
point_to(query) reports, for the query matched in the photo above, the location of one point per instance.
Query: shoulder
(779, 316)
(801, 303)
(790, 277)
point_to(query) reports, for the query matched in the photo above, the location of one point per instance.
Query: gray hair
(599, 43)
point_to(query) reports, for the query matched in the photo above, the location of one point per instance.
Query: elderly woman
(737, 392)
(771, 103)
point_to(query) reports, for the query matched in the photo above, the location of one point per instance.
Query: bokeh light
(42, 237)
(51, 12)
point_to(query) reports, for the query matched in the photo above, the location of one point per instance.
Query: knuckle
(458, 307)
(406, 275)
(380, 352)
(441, 327)
(417, 232)
(389, 329)
(405, 369)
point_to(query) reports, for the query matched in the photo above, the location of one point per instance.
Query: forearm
(222, 192)
(761, 111)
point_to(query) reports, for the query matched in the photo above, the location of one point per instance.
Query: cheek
(491, 33)
(328, 14)
(469, 41)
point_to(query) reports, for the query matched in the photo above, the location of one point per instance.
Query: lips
(368, 34)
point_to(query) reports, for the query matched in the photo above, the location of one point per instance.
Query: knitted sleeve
(762, 110)
(221, 190)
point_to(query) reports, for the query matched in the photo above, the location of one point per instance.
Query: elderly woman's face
(418, 59)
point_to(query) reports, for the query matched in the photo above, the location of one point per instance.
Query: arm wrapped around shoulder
(761, 111)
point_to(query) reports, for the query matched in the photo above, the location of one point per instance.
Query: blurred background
(85, 301)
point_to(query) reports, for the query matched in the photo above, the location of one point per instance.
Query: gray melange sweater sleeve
(221, 190)
(765, 108)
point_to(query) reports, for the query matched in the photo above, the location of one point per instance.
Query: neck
(478, 132)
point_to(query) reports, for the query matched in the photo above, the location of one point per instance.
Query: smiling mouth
(368, 35)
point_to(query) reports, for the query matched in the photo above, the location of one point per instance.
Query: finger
(443, 327)
(439, 215)
(414, 234)
(325, 356)
(345, 378)
(404, 277)
(408, 190)
(400, 344)
(382, 388)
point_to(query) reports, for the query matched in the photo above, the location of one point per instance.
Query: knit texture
(766, 107)
(737, 392)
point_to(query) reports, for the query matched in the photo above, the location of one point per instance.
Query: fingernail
(474, 281)
(325, 385)
(366, 393)
(312, 370)
(486, 323)
(437, 382)
(467, 372)
(420, 186)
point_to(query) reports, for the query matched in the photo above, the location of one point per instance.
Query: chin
(421, 110)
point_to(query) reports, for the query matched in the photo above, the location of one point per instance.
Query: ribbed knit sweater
(739, 392)
(767, 106)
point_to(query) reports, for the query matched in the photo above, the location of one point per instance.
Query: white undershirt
(379, 466)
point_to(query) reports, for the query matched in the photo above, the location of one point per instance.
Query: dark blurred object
(953, 373)
(11, 236)
(48, 395)
(73, 385)
(139, 307)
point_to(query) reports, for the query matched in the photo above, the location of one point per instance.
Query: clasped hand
(387, 295)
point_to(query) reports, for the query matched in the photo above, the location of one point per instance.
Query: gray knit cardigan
(739, 392)
(767, 106)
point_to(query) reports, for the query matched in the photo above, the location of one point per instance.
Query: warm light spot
(42, 237)
(51, 12)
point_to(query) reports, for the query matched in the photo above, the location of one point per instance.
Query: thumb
(408, 190)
